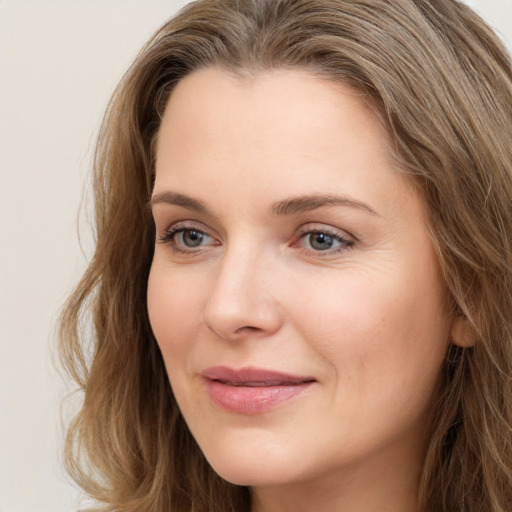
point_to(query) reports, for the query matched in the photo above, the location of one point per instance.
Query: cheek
(381, 329)
(175, 305)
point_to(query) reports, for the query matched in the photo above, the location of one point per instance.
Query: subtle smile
(252, 390)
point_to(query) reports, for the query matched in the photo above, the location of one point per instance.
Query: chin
(252, 469)
(249, 476)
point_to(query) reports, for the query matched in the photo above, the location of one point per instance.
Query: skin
(367, 318)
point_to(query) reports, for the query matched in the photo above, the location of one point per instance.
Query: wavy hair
(442, 82)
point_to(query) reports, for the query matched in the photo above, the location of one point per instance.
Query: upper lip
(253, 376)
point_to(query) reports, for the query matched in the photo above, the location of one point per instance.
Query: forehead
(287, 105)
(213, 94)
(280, 129)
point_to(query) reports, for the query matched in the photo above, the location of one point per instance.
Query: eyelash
(345, 243)
(169, 238)
(170, 235)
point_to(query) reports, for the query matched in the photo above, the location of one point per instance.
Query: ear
(462, 333)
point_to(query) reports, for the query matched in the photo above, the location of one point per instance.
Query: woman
(301, 290)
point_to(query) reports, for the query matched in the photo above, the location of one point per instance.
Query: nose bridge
(242, 298)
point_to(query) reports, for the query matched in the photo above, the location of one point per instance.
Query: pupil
(321, 241)
(192, 238)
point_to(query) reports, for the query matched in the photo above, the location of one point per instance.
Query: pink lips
(252, 390)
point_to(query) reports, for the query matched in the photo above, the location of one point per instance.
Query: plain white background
(59, 62)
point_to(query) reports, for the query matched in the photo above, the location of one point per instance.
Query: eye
(324, 241)
(190, 237)
(186, 239)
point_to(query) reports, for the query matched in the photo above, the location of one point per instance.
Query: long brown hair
(442, 82)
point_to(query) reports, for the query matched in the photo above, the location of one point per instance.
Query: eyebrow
(301, 204)
(289, 206)
(178, 200)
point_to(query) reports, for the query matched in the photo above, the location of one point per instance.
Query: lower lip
(252, 399)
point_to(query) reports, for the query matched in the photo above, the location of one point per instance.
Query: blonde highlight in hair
(442, 82)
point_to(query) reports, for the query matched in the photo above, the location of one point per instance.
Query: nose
(243, 299)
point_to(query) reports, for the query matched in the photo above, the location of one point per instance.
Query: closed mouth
(251, 391)
(253, 377)
(259, 384)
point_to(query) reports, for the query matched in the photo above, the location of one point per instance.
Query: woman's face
(294, 292)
